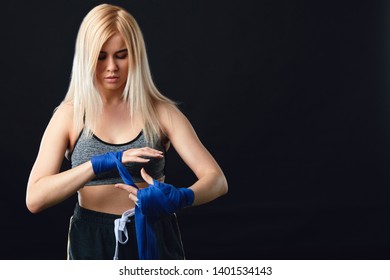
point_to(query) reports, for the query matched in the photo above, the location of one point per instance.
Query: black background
(291, 98)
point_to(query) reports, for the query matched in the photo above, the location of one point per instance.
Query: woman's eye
(121, 55)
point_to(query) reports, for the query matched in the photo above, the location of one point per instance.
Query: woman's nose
(111, 64)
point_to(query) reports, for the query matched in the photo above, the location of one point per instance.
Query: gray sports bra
(86, 147)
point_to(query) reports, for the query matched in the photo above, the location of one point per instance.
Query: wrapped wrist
(188, 197)
(105, 162)
(163, 199)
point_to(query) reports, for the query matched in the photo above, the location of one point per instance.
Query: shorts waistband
(95, 216)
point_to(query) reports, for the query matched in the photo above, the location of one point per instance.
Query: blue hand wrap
(105, 162)
(156, 200)
(163, 199)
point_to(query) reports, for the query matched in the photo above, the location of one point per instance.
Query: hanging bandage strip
(153, 202)
(146, 237)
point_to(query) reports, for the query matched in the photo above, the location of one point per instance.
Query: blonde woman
(113, 113)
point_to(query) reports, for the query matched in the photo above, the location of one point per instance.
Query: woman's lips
(111, 79)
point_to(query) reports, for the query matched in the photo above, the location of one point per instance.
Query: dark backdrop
(291, 97)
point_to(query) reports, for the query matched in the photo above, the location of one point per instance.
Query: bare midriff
(107, 198)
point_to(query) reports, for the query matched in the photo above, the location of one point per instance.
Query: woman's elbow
(33, 204)
(223, 185)
(32, 207)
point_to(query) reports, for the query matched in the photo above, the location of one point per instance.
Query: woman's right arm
(48, 186)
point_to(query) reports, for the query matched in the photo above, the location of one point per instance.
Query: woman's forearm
(209, 187)
(50, 190)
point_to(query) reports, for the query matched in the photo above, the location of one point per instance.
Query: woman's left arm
(211, 182)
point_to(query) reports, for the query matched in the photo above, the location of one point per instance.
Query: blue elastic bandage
(105, 162)
(109, 161)
(156, 200)
(163, 199)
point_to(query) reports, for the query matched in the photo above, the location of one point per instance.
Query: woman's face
(112, 65)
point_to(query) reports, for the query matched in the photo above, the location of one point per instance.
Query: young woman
(113, 114)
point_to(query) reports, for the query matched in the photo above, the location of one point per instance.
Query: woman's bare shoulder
(61, 121)
(65, 109)
(168, 112)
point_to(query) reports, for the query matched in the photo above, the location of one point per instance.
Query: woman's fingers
(127, 188)
(138, 155)
(133, 191)
(148, 179)
(133, 198)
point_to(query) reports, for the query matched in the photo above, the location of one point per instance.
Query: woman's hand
(108, 161)
(132, 190)
(138, 155)
(159, 198)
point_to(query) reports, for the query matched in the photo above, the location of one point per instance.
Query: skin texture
(48, 186)
(112, 66)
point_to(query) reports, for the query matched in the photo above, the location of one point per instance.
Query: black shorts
(92, 237)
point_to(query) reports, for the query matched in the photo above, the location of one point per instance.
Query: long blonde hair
(140, 92)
